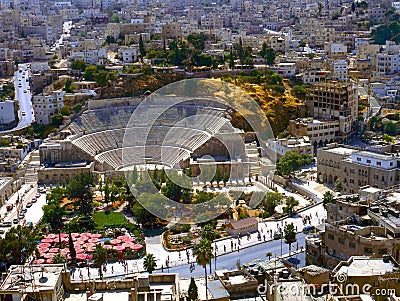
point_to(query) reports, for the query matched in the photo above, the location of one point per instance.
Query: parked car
(28, 205)
(9, 207)
(33, 200)
(7, 224)
(37, 195)
(24, 210)
(308, 229)
(15, 221)
(277, 235)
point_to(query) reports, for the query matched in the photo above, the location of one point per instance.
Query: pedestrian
(112, 269)
(162, 268)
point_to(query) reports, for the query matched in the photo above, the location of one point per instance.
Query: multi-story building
(358, 168)
(334, 100)
(45, 106)
(320, 132)
(355, 228)
(340, 70)
(7, 111)
(279, 147)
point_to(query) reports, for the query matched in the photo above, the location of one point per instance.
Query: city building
(357, 168)
(242, 226)
(45, 106)
(7, 111)
(320, 132)
(300, 145)
(334, 100)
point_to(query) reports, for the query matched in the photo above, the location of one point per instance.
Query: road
(24, 96)
(66, 34)
(230, 261)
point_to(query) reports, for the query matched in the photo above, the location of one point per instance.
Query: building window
(352, 245)
(367, 250)
(341, 240)
(382, 251)
(330, 236)
(379, 163)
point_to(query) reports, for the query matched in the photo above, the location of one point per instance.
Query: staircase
(253, 158)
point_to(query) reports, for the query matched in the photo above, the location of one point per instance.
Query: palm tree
(100, 256)
(289, 235)
(328, 197)
(269, 255)
(149, 263)
(203, 253)
(291, 202)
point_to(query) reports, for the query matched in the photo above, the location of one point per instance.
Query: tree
(289, 234)
(142, 49)
(226, 178)
(291, 202)
(263, 51)
(71, 247)
(338, 184)
(57, 120)
(79, 65)
(149, 263)
(270, 56)
(79, 189)
(388, 139)
(193, 291)
(203, 253)
(53, 214)
(270, 201)
(100, 256)
(269, 255)
(328, 197)
(292, 161)
(17, 245)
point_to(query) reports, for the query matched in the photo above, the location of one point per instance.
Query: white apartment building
(396, 6)
(287, 69)
(341, 70)
(7, 114)
(128, 54)
(45, 106)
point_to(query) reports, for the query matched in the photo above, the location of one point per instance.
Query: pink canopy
(115, 241)
(136, 247)
(49, 261)
(79, 251)
(119, 248)
(64, 251)
(125, 238)
(39, 261)
(49, 255)
(64, 235)
(47, 240)
(97, 235)
(75, 235)
(108, 247)
(43, 251)
(94, 240)
(86, 234)
(90, 257)
(81, 256)
(44, 245)
(50, 236)
(54, 250)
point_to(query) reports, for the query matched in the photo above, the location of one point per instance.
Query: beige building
(334, 100)
(242, 226)
(45, 106)
(320, 132)
(357, 168)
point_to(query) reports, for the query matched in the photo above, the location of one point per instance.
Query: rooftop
(340, 150)
(365, 266)
(31, 278)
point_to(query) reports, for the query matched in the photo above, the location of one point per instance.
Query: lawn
(111, 218)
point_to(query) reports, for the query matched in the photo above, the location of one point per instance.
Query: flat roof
(376, 155)
(340, 150)
(32, 278)
(366, 266)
